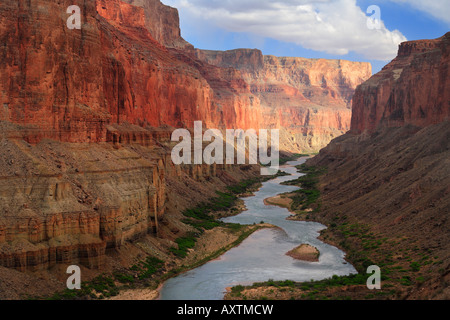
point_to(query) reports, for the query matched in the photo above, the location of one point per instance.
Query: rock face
(392, 171)
(70, 203)
(129, 63)
(388, 100)
(111, 71)
(308, 99)
(86, 118)
(65, 203)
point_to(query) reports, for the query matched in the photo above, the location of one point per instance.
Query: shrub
(184, 244)
(415, 266)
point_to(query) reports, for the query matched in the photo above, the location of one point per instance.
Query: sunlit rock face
(309, 100)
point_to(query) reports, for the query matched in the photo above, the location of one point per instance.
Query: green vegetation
(295, 156)
(184, 244)
(123, 278)
(316, 290)
(243, 186)
(149, 267)
(201, 217)
(309, 194)
(105, 286)
(237, 290)
(415, 266)
(100, 287)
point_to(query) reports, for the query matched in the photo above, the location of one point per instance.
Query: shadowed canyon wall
(392, 170)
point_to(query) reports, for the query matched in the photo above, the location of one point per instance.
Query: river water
(262, 256)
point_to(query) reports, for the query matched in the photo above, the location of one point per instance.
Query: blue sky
(332, 29)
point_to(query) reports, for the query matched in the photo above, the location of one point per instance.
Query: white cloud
(439, 9)
(331, 26)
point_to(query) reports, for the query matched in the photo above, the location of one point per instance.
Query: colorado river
(262, 256)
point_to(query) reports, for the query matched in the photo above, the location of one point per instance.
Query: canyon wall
(388, 100)
(70, 203)
(392, 170)
(129, 63)
(309, 100)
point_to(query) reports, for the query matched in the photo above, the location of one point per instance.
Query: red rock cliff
(162, 22)
(70, 84)
(412, 89)
(307, 99)
(129, 63)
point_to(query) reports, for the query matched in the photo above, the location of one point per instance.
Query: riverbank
(264, 255)
(210, 246)
(405, 267)
(139, 268)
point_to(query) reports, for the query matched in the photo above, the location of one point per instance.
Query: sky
(355, 30)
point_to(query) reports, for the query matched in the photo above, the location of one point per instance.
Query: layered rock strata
(309, 100)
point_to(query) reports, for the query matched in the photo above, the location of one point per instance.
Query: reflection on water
(261, 256)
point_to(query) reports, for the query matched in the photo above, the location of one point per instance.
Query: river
(262, 256)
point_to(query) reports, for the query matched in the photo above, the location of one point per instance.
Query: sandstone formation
(392, 171)
(111, 71)
(70, 203)
(309, 100)
(129, 63)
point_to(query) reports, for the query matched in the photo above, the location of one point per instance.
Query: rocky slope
(392, 171)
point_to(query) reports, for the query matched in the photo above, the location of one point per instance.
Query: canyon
(308, 100)
(129, 64)
(87, 114)
(86, 118)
